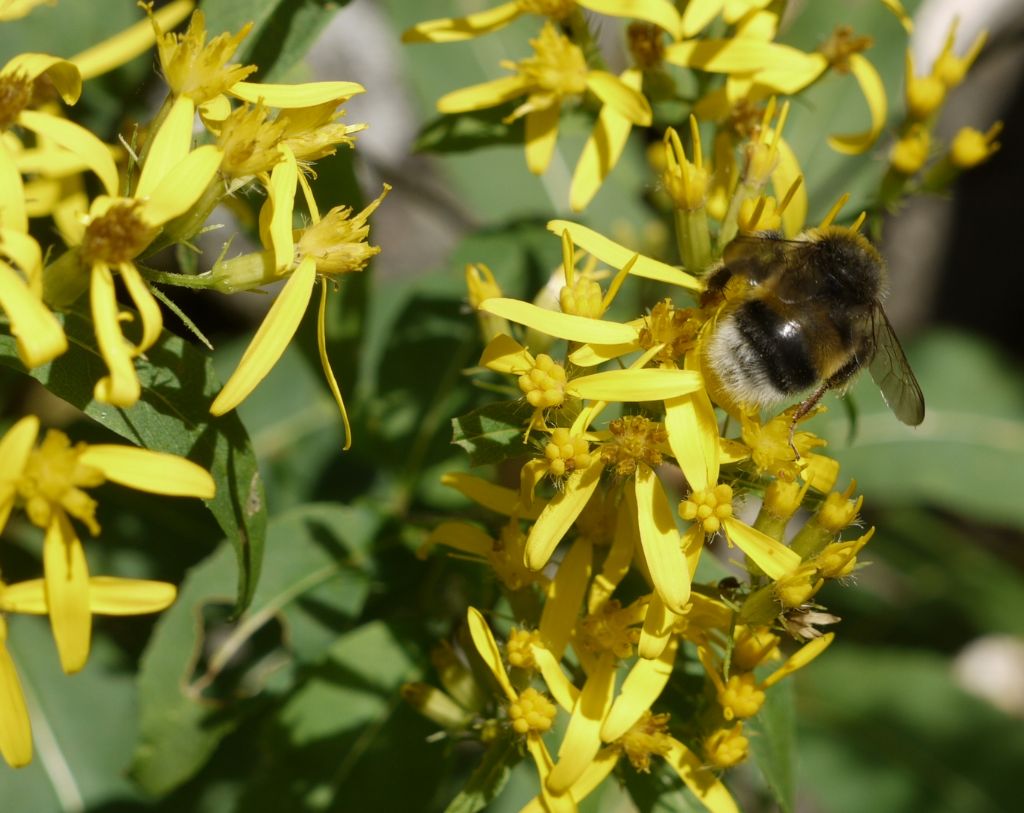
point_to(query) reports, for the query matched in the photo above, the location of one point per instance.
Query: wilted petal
(270, 341)
(558, 324)
(146, 470)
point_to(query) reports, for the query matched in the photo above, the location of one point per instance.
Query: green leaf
(967, 455)
(84, 727)
(316, 581)
(469, 131)
(490, 776)
(178, 385)
(772, 735)
(282, 32)
(493, 432)
(660, 791)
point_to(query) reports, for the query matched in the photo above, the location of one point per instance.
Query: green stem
(200, 281)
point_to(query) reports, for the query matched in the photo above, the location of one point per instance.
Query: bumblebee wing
(891, 371)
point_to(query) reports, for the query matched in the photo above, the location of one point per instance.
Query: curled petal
(799, 659)
(121, 386)
(270, 340)
(63, 74)
(146, 470)
(454, 29)
(504, 354)
(325, 364)
(874, 94)
(40, 337)
(149, 312)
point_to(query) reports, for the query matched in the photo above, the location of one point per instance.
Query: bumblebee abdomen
(760, 356)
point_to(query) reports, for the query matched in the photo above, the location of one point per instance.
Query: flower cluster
(662, 523)
(160, 192)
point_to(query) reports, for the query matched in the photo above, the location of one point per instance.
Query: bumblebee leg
(806, 406)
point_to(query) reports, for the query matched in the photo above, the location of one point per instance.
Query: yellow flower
(449, 29)
(116, 231)
(15, 728)
(329, 247)
(557, 72)
(950, 68)
(971, 147)
(16, 9)
(51, 482)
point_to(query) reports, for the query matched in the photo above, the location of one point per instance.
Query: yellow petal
(169, 147)
(146, 470)
(63, 74)
(656, 633)
(12, 192)
(67, 593)
(454, 29)
(112, 596)
(215, 110)
(603, 148)
(485, 644)
(16, 732)
(530, 475)
(559, 514)
(130, 43)
(700, 780)
(597, 771)
(307, 94)
(463, 537)
(774, 558)
(784, 176)
(791, 76)
(325, 364)
(550, 803)
(799, 659)
(698, 14)
(616, 562)
(649, 384)
(660, 12)
(660, 541)
(557, 324)
(183, 186)
(591, 355)
(821, 472)
(24, 252)
(693, 437)
(16, 445)
(642, 686)
(145, 304)
(504, 354)
(565, 597)
(281, 196)
(492, 497)
(582, 738)
(739, 56)
(874, 94)
(76, 139)
(270, 341)
(27, 597)
(40, 337)
(618, 256)
(625, 100)
(484, 95)
(896, 7)
(558, 684)
(121, 387)
(541, 136)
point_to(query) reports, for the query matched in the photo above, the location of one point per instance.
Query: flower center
(710, 507)
(544, 384)
(726, 747)
(118, 235)
(249, 141)
(15, 95)
(841, 45)
(649, 735)
(53, 477)
(566, 453)
(646, 45)
(198, 69)
(519, 648)
(635, 439)
(676, 328)
(610, 629)
(752, 646)
(558, 66)
(740, 696)
(531, 712)
(584, 298)
(506, 558)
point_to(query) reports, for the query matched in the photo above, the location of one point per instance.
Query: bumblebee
(804, 316)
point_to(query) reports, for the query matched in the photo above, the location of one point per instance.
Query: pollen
(566, 453)
(520, 648)
(648, 736)
(841, 45)
(676, 328)
(710, 507)
(726, 747)
(118, 235)
(635, 439)
(610, 629)
(583, 298)
(54, 478)
(249, 141)
(15, 96)
(532, 712)
(646, 43)
(544, 384)
(558, 66)
(752, 646)
(740, 696)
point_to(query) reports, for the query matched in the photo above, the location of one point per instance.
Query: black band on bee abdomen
(781, 346)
